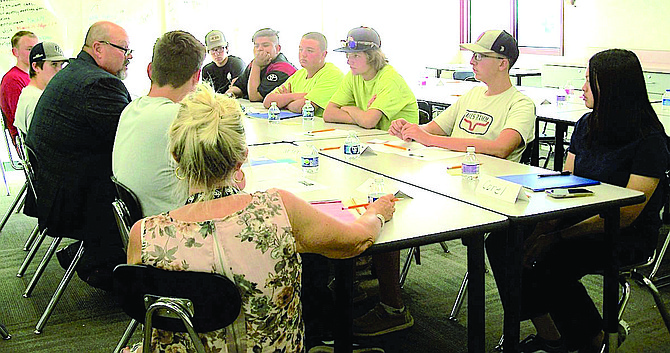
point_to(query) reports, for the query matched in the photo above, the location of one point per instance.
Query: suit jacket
(72, 134)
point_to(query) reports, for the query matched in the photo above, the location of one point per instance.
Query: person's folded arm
(335, 114)
(297, 104)
(364, 118)
(318, 232)
(254, 83)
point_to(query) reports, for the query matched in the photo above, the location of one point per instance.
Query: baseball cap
(215, 39)
(360, 39)
(495, 41)
(46, 51)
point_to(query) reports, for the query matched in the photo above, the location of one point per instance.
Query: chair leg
(405, 268)
(659, 259)
(444, 246)
(132, 326)
(42, 266)
(22, 203)
(499, 346)
(453, 316)
(31, 254)
(13, 206)
(31, 238)
(4, 333)
(59, 291)
(662, 309)
(4, 177)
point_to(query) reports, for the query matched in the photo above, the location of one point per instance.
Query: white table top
(340, 181)
(433, 175)
(260, 131)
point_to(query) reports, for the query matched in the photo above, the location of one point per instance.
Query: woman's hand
(537, 246)
(384, 206)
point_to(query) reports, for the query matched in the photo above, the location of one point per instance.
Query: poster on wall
(36, 16)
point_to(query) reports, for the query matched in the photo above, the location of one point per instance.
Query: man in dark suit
(72, 134)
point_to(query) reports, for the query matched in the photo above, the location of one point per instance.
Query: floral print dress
(258, 245)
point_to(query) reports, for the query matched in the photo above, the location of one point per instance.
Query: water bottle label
(470, 169)
(308, 113)
(666, 102)
(560, 98)
(374, 196)
(308, 162)
(351, 149)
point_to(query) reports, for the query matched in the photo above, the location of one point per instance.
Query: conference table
(260, 131)
(275, 165)
(425, 169)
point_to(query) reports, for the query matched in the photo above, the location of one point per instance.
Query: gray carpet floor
(88, 320)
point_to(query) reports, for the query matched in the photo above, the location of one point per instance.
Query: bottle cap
(470, 149)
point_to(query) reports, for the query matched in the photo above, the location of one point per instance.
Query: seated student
(316, 81)
(372, 94)
(140, 157)
(267, 71)
(224, 68)
(497, 119)
(46, 59)
(258, 235)
(621, 142)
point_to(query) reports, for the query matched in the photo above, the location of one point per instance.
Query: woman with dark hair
(620, 142)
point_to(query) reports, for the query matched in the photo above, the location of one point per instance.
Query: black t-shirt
(613, 164)
(220, 77)
(272, 76)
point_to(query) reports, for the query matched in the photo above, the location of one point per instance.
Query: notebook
(535, 183)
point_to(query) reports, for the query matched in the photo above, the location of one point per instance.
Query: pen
(330, 148)
(415, 155)
(357, 210)
(455, 166)
(565, 172)
(366, 204)
(394, 146)
(324, 130)
(324, 202)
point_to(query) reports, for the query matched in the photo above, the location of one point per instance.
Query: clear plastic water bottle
(307, 111)
(309, 159)
(376, 189)
(470, 166)
(561, 98)
(352, 146)
(666, 102)
(273, 113)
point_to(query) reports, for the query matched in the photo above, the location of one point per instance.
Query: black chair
(425, 112)
(177, 301)
(33, 162)
(18, 165)
(127, 209)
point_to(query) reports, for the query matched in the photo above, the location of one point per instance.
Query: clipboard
(282, 115)
(535, 183)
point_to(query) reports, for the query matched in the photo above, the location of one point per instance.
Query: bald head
(108, 44)
(102, 31)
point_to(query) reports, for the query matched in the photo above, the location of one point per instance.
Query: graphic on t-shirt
(475, 123)
(273, 77)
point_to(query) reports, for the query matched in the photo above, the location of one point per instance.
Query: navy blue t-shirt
(613, 164)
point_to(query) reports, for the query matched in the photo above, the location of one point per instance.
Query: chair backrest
(216, 300)
(425, 113)
(122, 217)
(130, 200)
(463, 75)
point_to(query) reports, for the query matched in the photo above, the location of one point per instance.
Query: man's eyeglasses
(218, 50)
(125, 51)
(353, 44)
(480, 56)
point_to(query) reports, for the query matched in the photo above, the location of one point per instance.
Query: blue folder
(535, 183)
(282, 115)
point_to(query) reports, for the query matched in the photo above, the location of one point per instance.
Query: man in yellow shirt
(316, 81)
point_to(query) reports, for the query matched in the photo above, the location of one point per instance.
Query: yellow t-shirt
(319, 88)
(394, 97)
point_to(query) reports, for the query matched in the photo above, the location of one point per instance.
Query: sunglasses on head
(354, 44)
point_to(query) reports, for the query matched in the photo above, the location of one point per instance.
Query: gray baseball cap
(360, 39)
(46, 51)
(215, 39)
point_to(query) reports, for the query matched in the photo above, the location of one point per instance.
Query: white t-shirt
(26, 107)
(476, 115)
(141, 159)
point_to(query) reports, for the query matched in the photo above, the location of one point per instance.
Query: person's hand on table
(384, 206)
(396, 127)
(414, 132)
